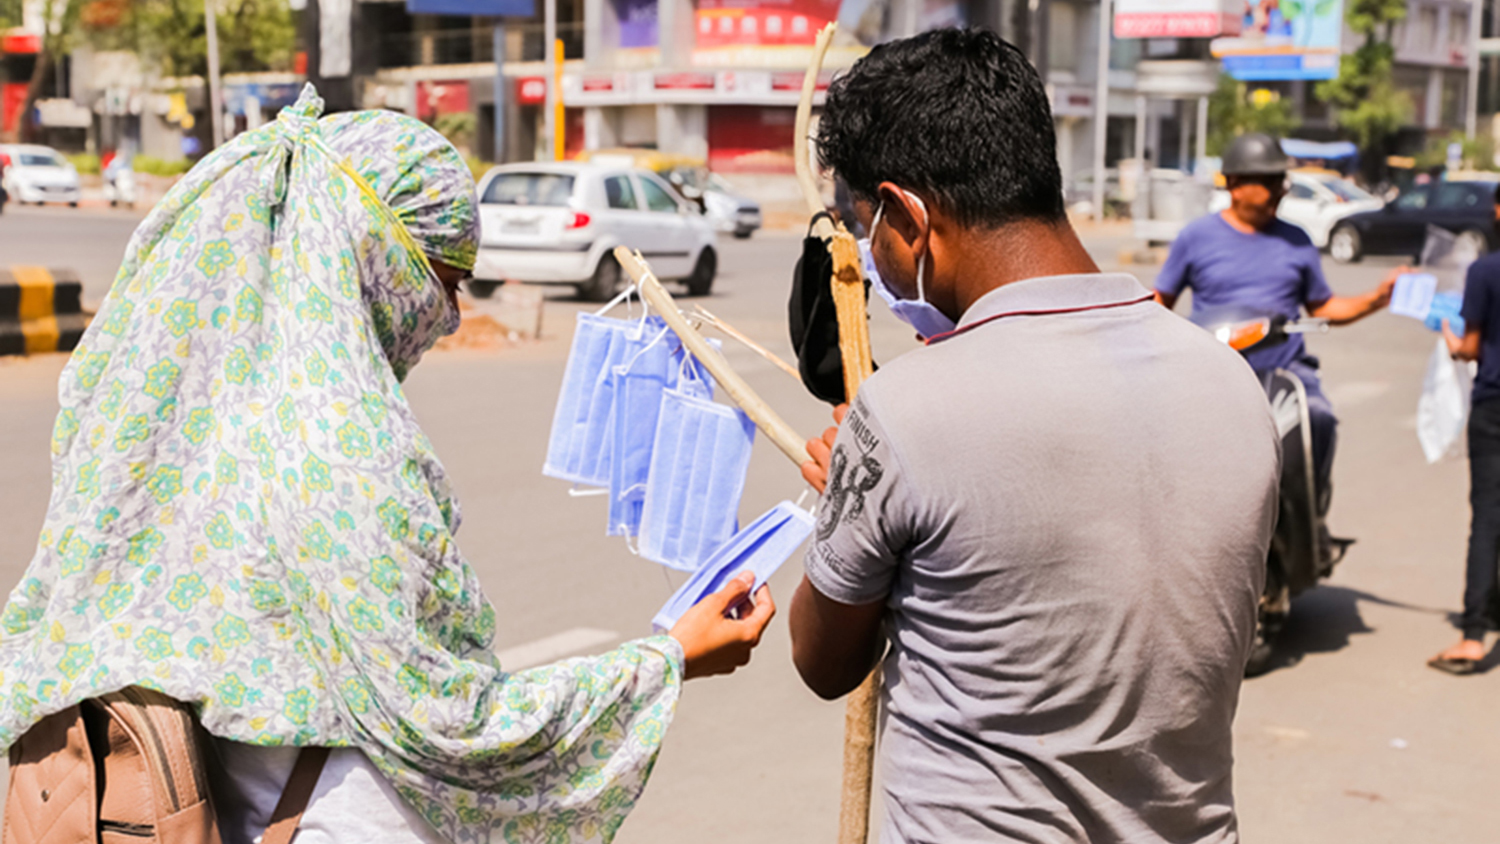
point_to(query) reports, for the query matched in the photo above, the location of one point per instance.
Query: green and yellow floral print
(246, 516)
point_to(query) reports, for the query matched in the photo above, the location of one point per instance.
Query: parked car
(38, 174)
(1316, 201)
(1400, 228)
(729, 211)
(559, 224)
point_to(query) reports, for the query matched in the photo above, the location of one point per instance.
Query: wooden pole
(810, 193)
(784, 436)
(862, 708)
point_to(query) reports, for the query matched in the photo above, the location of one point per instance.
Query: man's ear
(905, 215)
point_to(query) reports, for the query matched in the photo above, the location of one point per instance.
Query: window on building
(657, 198)
(1063, 36)
(1427, 30)
(620, 194)
(1458, 31)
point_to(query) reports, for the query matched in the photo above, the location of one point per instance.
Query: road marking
(552, 648)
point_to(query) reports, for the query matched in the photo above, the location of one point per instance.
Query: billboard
(1178, 18)
(762, 23)
(466, 8)
(1285, 39)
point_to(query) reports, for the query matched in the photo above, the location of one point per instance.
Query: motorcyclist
(1245, 262)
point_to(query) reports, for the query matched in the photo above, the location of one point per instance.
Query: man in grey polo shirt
(1055, 515)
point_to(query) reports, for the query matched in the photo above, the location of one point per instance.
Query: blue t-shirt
(1237, 276)
(1481, 312)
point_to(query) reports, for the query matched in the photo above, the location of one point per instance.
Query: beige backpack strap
(295, 797)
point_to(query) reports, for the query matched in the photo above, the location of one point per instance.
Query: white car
(38, 174)
(1315, 202)
(559, 224)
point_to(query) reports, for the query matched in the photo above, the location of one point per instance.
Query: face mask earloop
(922, 261)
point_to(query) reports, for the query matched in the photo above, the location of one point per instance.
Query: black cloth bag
(814, 321)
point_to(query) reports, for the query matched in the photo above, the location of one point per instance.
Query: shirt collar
(1052, 294)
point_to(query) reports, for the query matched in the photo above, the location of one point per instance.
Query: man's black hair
(956, 114)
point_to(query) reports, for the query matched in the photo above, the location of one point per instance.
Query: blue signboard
(465, 8)
(1285, 39)
(1263, 66)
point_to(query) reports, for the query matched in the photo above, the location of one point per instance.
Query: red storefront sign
(18, 41)
(434, 98)
(598, 84)
(684, 82)
(531, 90)
(725, 23)
(792, 81)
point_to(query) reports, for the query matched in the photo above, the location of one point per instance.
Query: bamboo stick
(786, 438)
(810, 193)
(745, 341)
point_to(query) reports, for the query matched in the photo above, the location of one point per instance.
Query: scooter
(119, 184)
(1302, 552)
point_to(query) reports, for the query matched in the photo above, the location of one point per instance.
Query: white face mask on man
(919, 313)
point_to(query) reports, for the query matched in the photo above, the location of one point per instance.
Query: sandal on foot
(1460, 667)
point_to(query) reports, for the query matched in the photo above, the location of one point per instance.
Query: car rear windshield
(39, 159)
(552, 189)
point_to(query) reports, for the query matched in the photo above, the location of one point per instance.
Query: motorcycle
(1302, 551)
(119, 184)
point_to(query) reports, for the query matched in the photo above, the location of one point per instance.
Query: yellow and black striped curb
(41, 310)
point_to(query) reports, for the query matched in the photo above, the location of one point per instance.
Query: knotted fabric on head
(245, 514)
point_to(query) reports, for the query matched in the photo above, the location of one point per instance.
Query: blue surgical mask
(698, 464)
(918, 313)
(639, 384)
(580, 446)
(761, 547)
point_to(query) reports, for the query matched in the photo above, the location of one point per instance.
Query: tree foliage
(254, 35)
(1234, 110)
(1369, 105)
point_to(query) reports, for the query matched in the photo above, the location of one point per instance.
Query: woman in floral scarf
(246, 516)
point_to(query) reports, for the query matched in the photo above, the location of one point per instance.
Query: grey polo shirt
(1066, 506)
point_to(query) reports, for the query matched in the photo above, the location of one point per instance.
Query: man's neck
(1015, 253)
(1236, 223)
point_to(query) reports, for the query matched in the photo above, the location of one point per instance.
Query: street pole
(1101, 107)
(1471, 110)
(559, 121)
(550, 128)
(500, 98)
(215, 97)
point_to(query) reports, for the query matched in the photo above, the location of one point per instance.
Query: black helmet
(1255, 154)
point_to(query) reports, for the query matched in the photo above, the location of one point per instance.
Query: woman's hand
(711, 642)
(815, 471)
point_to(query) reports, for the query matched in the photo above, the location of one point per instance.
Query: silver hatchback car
(559, 224)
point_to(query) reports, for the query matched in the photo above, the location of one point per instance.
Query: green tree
(59, 35)
(254, 35)
(1233, 110)
(1368, 104)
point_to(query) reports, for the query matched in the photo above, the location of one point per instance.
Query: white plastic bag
(1443, 409)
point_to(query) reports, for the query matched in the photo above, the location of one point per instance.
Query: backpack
(129, 767)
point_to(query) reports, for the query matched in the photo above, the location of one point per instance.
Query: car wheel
(482, 289)
(605, 282)
(702, 279)
(1472, 242)
(1344, 245)
(72, 205)
(743, 234)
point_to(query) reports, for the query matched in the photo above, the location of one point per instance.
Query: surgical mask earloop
(922, 261)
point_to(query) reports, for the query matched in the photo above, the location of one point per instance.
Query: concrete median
(41, 310)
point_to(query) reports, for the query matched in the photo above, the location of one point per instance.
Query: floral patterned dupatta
(245, 514)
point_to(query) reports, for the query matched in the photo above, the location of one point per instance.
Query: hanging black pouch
(814, 321)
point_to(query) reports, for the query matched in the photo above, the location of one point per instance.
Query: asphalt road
(1350, 738)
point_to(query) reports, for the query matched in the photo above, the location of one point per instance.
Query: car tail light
(579, 220)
